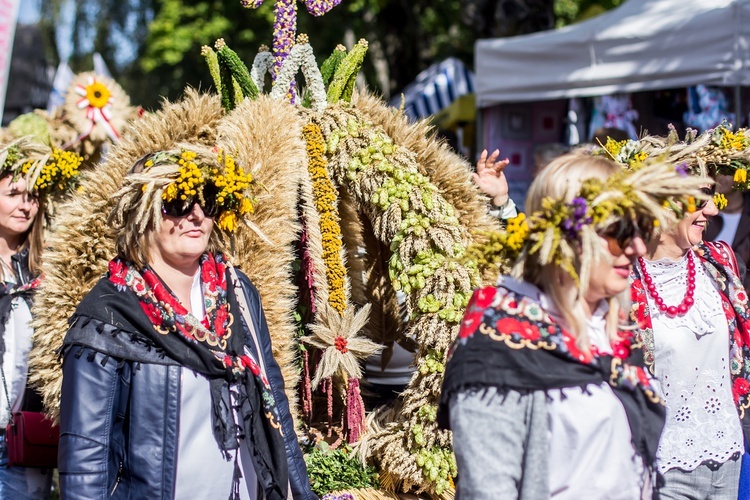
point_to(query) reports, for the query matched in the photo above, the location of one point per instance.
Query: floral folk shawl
(506, 340)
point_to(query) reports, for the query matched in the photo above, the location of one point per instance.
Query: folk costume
(186, 405)
(700, 359)
(25, 158)
(567, 422)
(691, 318)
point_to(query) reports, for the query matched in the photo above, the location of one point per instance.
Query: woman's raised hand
(490, 178)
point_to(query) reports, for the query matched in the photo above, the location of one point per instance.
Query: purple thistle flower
(319, 7)
(573, 225)
(682, 169)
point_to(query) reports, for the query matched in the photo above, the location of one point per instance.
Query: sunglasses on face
(708, 191)
(181, 208)
(620, 234)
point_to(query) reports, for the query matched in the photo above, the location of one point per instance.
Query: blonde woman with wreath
(692, 309)
(22, 204)
(170, 388)
(544, 388)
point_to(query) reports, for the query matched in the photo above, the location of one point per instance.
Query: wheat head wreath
(264, 136)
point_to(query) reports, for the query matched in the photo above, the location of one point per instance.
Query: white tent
(641, 45)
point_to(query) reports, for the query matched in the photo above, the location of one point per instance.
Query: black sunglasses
(708, 191)
(181, 208)
(623, 231)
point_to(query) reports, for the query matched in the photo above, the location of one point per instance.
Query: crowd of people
(536, 390)
(610, 360)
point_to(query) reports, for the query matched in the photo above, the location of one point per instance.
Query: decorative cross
(285, 24)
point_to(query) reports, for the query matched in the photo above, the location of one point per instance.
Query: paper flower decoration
(97, 107)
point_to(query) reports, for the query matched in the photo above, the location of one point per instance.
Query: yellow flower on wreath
(58, 174)
(195, 171)
(720, 201)
(97, 94)
(740, 175)
(228, 221)
(733, 140)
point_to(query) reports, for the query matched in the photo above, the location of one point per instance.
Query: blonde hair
(561, 180)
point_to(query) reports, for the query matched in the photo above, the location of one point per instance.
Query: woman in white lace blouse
(692, 312)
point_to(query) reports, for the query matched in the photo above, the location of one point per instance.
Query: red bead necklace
(687, 301)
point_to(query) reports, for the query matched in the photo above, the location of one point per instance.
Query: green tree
(573, 11)
(153, 46)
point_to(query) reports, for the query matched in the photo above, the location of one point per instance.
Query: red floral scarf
(167, 314)
(215, 347)
(507, 340)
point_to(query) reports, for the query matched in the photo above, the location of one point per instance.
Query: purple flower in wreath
(577, 219)
(682, 169)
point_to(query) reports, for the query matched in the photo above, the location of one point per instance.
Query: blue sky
(29, 14)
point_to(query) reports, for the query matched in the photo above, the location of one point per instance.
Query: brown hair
(33, 239)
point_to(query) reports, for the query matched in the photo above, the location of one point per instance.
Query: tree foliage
(153, 46)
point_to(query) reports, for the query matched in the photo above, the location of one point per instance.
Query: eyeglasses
(181, 208)
(620, 234)
(708, 191)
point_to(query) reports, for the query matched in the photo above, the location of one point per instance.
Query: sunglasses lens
(210, 207)
(621, 231)
(708, 191)
(177, 208)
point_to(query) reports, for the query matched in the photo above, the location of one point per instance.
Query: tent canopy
(641, 45)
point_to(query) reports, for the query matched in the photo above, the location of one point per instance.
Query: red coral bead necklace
(687, 300)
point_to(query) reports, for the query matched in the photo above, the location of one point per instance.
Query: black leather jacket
(101, 455)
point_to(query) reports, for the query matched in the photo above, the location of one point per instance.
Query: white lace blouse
(691, 364)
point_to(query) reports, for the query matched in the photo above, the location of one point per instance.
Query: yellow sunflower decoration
(97, 107)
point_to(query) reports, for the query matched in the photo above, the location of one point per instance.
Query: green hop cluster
(438, 465)
(432, 363)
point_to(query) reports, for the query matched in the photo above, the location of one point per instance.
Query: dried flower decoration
(97, 108)
(48, 171)
(627, 152)
(564, 232)
(716, 151)
(186, 175)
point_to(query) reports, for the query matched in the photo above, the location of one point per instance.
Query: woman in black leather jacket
(170, 389)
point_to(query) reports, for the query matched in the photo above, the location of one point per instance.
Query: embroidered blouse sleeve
(500, 444)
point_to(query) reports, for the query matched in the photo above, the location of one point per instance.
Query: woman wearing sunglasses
(692, 311)
(544, 389)
(170, 389)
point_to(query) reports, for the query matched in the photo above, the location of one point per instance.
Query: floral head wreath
(565, 231)
(49, 171)
(180, 177)
(716, 151)
(724, 152)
